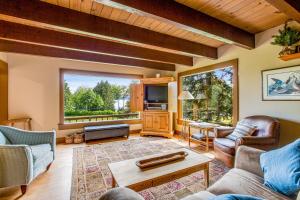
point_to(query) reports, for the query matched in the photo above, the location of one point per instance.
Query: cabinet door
(148, 122)
(136, 97)
(161, 122)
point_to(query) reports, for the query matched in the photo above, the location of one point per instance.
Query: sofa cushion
(40, 165)
(238, 181)
(203, 195)
(226, 145)
(281, 168)
(242, 129)
(40, 150)
(236, 197)
(3, 139)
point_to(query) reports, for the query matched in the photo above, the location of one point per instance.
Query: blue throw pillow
(281, 168)
(235, 197)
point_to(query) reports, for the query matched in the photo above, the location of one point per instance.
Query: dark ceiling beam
(78, 22)
(186, 18)
(33, 49)
(289, 7)
(14, 31)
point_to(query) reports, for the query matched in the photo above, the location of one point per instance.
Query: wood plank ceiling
(100, 10)
(252, 16)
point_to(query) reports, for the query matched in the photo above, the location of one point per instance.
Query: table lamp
(183, 96)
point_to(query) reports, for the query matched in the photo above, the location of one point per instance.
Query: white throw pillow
(242, 129)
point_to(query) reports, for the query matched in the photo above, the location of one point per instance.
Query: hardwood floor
(55, 184)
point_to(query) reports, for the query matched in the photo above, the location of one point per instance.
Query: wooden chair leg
(48, 167)
(23, 189)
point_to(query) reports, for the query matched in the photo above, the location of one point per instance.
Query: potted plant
(288, 39)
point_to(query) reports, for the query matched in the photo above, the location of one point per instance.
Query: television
(156, 94)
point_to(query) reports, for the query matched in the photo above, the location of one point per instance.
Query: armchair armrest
(18, 136)
(248, 158)
(255, 141)
(16, 165)
(223, 131)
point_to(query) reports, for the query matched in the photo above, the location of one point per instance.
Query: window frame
(235, 88)
(64, 126)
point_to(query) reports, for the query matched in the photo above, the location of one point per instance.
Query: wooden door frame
(3, 92)
(235, 82)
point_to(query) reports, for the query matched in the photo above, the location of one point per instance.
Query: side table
(204, 136)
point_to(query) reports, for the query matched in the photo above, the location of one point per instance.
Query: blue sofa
(24, 155)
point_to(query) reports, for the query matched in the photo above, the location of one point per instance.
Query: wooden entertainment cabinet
(156, 120)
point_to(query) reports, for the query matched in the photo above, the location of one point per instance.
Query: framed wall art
(281, 84)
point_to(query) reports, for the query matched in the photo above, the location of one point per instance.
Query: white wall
(34, 86)
(251, 63)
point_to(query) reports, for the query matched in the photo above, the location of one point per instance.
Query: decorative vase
(164, 106)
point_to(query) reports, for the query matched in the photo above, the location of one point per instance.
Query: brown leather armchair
(266, 137)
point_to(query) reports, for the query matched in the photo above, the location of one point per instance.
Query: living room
(156, 107)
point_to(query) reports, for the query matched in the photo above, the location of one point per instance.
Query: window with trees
(96, 97)
(214, 89)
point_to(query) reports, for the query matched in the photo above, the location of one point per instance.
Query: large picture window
(214, 89)
(92, 97)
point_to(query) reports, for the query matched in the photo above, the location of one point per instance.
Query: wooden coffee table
(127, 174)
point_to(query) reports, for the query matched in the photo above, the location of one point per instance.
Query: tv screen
(157, 94)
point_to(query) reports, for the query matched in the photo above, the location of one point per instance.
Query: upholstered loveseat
(245, 178)
(24, 155)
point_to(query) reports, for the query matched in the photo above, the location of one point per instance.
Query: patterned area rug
(91, 176)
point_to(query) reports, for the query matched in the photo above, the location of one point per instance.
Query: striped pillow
(242, 129)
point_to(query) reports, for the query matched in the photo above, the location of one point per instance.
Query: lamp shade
(185, 95)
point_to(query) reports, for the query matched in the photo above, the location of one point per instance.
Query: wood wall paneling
(3, 91)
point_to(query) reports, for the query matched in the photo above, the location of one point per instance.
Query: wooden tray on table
(158, 160)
